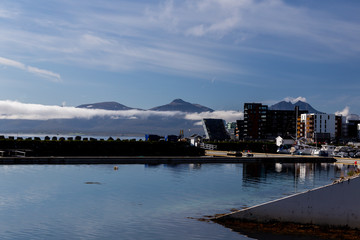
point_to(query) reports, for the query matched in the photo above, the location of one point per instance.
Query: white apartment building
(317, 125)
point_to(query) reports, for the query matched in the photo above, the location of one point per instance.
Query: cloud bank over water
(25, 111)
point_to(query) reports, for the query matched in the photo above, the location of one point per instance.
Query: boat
(327, 150)
(303, 149)
(344, 151)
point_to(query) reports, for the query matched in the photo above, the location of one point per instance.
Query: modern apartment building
(315, 127)
(255, 120)
(282, 123)
(262, 123)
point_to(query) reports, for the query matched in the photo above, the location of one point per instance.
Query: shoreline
(160, 160)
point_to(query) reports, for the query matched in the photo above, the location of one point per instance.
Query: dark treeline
(97, 148)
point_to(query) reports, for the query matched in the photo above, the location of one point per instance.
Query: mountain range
(176, 105)
(183, 106)
(153, 124)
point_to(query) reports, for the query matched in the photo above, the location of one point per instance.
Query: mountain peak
(178, 100)
(105, 105)
(283, 105)
(182, 106)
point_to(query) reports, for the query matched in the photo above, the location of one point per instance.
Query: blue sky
(218, 53)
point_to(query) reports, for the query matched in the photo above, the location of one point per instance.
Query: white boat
(302, 149)
(316, 151)
(327, 150)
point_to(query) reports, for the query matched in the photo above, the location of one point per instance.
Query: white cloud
(41, 72)
(12, 63)
(17, 110)
(345, 112)
(347, 115)
(44, 73)
(94, 41)
(294, 100)
(228, 116)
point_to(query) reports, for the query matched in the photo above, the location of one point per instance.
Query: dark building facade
(282, 123)
(215, 129)
(338, 127)
(262, 123)
(352, 129)
(239, 131)
(255, 120)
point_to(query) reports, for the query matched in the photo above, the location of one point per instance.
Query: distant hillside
(181, 105)
(283, 105)
(103, 126)
(107, 125)
(106, 106)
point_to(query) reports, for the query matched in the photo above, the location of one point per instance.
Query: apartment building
(255, 120)
(263, 123)
(316, 127)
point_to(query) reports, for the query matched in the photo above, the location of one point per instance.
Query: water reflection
(300, 173)
(142, 201)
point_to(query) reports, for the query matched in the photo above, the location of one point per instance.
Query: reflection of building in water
(278, 167)
(304, 171)
(254, 172)
(195, 166)
(324, 166)
(301, 172)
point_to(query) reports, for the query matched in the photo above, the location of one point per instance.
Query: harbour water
(142, 201)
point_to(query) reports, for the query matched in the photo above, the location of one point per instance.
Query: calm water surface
(141, 201)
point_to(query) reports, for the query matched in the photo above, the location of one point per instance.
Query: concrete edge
(329, 205)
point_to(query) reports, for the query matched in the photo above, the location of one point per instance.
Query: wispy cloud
(7, 13)
(137, 36)
(34, 70)
(17, 110)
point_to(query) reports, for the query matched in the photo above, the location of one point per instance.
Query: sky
(217, 53)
